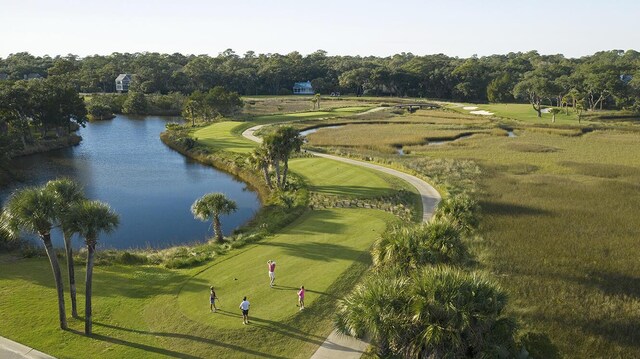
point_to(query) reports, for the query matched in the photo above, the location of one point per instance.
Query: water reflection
(124, 163)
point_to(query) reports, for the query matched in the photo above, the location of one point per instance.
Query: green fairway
(149, 311)
(336, 178)
(220, 137)
(313, 252)
(352, 109)
(292, 116)
(525, 113)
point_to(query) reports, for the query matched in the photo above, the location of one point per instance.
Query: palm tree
(458, 314)
(89, 219)
(291, 141)
(67, 193)
(280, 145)
(377, 309)
(259, 159)
(211, 206)
(273, 148)
(34, 210)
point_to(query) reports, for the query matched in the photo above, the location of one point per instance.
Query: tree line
(607, 79)
(37, 109)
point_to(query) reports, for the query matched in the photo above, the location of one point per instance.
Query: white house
(303, 88)
(122, 82)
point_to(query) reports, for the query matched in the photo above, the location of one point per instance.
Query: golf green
(337, 178)
(314, 251)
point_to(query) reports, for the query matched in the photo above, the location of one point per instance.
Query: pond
(123, 162)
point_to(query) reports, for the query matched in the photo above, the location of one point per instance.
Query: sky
(348, 27)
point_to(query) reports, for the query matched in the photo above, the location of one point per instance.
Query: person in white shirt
(244, 306)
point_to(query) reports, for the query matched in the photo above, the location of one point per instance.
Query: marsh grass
(560, 225)
(384, 135)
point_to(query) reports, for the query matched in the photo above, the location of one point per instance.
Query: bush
(440, 312)
(460, 210)
(411, 248)
(136, 104)
(99, 111)
(132, 258)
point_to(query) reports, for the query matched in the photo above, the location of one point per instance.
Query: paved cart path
(12, 350)
(337, 345)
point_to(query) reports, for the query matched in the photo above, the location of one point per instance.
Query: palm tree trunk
(265, 172)
(284, 172)
(72, 274)
(57, 275)
(217, 228)
(87, 308)
(276, 165)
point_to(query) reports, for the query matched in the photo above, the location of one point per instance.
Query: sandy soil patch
(468, 108)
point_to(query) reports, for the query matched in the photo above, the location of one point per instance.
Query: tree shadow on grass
(286, 330)
(319, 222)
(510, 209)
(108, 281)
(285, 287)
(614, 284)
(325, 252)
(172, 335)
(352, 191)
(146, 348)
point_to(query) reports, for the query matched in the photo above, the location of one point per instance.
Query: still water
(123, 162)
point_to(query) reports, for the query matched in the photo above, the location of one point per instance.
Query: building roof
(123, 76)
(306, 85)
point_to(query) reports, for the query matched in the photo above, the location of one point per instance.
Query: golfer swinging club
(272, 272)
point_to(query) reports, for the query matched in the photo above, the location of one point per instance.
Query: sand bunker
(545, 110)
(481, 112)
(470, 108)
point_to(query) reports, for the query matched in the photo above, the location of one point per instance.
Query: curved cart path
(12, 350)
(337, 345)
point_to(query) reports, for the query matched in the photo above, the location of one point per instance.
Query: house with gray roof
(303, 88)
(122, 82)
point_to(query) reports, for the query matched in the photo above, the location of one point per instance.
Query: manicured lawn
(220, 136)
(525, 113)
(149, 312)
(312, 252)
(336, 178)
(352, 109)
(292, 116)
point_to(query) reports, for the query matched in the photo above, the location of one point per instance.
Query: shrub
(460, 210)
(132, 258)
(410, 248)
(99, 111)
(135, 104)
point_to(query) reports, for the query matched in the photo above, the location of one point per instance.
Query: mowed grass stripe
(314, 252)
(336, 178)
(220, 137)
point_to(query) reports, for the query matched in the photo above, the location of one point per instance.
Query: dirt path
(337, 345)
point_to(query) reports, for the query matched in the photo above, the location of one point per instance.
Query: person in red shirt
(301, 298)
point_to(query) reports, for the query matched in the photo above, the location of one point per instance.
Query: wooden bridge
(413, 107)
